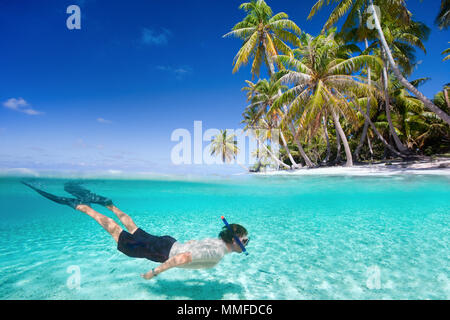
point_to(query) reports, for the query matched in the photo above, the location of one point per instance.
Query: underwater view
(312, 237)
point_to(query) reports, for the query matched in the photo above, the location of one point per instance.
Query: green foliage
(328, 74)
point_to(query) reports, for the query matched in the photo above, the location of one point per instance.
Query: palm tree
(322, 74)
(392, 9)
(264, 35)
(402, 40)
(262, 95)
(258, 128)
(358, 34)
(225, 146)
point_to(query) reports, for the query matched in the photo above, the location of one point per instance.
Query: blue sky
(108, 96)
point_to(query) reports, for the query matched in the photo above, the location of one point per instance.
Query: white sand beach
(425, 167)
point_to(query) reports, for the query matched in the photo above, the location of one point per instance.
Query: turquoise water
(311, 238)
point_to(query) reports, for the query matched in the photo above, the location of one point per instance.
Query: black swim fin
(83, 194)
(73, 203)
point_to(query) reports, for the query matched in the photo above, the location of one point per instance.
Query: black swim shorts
(141, 244)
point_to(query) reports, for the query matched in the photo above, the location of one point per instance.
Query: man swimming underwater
(136, 243)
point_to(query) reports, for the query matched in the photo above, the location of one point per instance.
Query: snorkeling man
(136, 243)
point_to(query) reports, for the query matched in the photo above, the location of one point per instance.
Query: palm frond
(354, 64)
(241, 33)
(244, 53)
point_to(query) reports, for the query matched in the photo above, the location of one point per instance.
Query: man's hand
(178, 260)
(148, 275)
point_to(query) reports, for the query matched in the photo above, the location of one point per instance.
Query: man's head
(227, 236)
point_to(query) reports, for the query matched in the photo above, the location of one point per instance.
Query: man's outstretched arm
(176, 261)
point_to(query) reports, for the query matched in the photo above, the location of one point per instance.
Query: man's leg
(87, 196)
(124, 218)
(107, 223)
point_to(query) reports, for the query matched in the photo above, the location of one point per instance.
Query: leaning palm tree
(359, 34)
(392, 9)
(262, 95)
(264, 36)
(322, 75)
(402, 40)
(260, 130)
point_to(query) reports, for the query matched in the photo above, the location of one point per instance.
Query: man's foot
(74, 188)
(73, 203)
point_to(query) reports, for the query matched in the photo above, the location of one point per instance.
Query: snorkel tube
(234, 236)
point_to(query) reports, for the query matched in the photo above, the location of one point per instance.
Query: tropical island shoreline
(428, 166)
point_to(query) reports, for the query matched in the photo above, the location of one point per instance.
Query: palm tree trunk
(370, 148)
(297, 142)
(286, 148)
(271, 73)
(446, 97)
(269, 60)
(325, 133)
(305, 157)
(278, 161)
(379, 135)
(338, 145)
(427, 102)
(308, 162)
(341, 132)
(366, 123)
(257, 150)
(397, 141)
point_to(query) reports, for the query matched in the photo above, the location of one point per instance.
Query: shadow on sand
(194, 289)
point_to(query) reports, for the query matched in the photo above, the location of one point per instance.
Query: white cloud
(151, 37)
(178, 72)
(20, 105)
(102, 120)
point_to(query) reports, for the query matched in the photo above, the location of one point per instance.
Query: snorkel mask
(236, 238)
